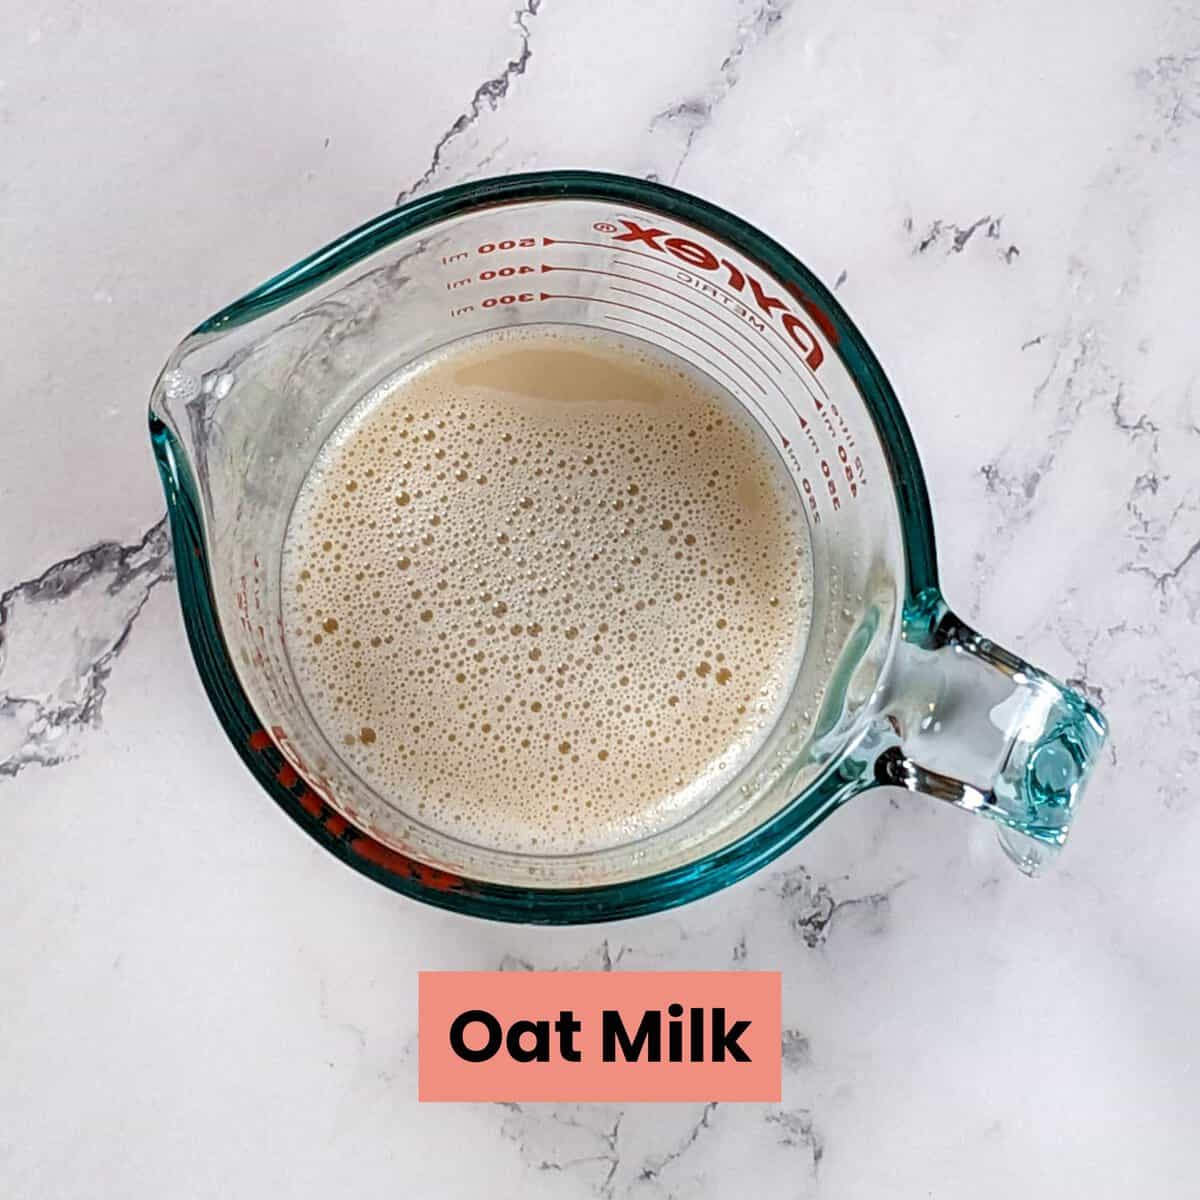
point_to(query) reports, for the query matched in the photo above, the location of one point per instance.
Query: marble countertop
(1006, 196)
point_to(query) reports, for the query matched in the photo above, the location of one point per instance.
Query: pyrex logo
(702, 258)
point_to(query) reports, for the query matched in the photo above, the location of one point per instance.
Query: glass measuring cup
(893, 688)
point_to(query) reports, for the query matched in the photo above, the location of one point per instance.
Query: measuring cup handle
(971, 723)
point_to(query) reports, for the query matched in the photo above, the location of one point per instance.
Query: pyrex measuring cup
(893, 689)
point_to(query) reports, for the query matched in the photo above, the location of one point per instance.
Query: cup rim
(358, 848)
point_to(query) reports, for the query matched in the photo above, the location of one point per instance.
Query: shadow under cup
(247, 401)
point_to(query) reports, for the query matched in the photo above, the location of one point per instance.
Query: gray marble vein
(686, 119)
(797, 1050)
(795, 1129)
(653, 1169)
(814, 914)
(953, 238)
(490, 94)
(578, 1140)
(60, 635)
(617, 1153)
(1173, 83)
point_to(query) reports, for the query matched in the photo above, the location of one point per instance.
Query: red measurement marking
(627, 292)
(806, 377)
(704, 308)
(657, 317)
(311, 802)
(400, 864)
(716, 367)
(801, 377)
(549, 241)
(695, 254)
(846, 430)
(506, 244)
(792, 349)
(673, 308)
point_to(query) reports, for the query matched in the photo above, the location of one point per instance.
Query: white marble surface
(1007, 191)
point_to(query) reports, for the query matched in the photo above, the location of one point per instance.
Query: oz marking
(842, 425)
(854, 470)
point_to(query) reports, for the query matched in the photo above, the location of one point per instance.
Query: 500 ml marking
(523, 243)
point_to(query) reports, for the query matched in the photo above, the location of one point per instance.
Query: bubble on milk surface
(546, 590)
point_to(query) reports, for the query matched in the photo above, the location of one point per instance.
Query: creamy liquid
(547, 589)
